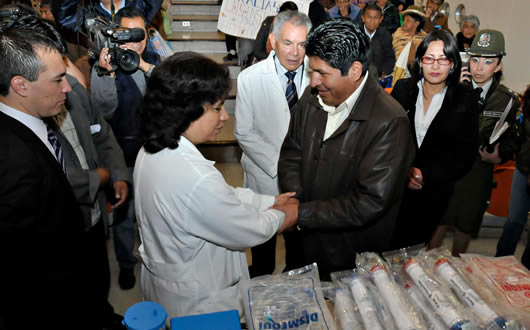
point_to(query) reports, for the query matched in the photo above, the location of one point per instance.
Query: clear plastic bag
(504, 283)
(404, 314)
(445, 268)
(285, 301)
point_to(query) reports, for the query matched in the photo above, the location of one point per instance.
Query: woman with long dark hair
(444, 123)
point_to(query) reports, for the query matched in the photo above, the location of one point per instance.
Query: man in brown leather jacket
(346, 154)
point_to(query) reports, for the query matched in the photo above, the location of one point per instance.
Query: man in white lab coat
(266, 95)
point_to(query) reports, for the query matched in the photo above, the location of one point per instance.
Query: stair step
(234, 71)
(195, 9)
(199, 46)
(196, 25)
(230, 106)
(194, 2)
(232, 172)
(218, 57)
(195, 18)
(233, 89)
(226, 136)
(185, 36)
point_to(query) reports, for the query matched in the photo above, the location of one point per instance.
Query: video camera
(105, 34)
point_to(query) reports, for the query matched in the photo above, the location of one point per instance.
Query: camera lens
(128, 61)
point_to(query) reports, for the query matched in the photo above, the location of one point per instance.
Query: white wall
(512, 18)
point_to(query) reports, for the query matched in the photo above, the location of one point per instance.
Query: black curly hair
(176, 92)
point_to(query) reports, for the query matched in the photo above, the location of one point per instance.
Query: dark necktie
(56, 145)
(290, 92)
(478, 90)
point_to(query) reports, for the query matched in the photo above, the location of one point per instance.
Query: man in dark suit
(346, 154)
(42, 241)
(383, 57)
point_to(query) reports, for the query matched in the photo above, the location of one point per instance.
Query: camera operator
(68, 15)
(117, 95)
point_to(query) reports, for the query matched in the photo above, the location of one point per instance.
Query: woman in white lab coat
(194, 227)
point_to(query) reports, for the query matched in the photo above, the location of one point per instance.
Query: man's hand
(492, 158)
(104, 176)
(415, 178)
(121, 190)
(290, 208)
(104, 61)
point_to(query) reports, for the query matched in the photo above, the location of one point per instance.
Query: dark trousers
(99, 277)
(230, 42)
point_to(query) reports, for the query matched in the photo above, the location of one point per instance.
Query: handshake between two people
(289, 205)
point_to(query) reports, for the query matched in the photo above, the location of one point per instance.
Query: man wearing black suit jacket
(42, 241)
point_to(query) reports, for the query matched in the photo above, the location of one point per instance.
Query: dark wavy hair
(339, 42)
(450, 50)
(176, 92)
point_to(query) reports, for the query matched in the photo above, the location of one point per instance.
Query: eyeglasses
(431, 60)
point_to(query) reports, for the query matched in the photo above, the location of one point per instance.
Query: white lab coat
(262, 120)
(194, 229)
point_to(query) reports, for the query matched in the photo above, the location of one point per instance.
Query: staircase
(195, 29)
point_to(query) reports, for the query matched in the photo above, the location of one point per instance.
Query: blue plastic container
(145, 315)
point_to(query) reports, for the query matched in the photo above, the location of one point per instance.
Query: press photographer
(112, 39)
(72, 14)
(117, 95)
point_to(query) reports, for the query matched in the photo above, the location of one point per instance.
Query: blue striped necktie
(56, 145)
(290, 92)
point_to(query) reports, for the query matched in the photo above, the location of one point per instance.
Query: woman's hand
(415, 178)
(465, 75)
(283, 198)
(493, 157)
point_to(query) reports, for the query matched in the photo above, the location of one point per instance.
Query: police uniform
(470, 199)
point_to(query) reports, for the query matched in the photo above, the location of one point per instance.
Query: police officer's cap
(487, 43)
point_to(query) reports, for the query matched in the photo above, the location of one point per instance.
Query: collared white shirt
(115, 9)
(423, 120)
(337, 115)
(485, 88)
(194, 230)
(280, 70)
(370, 35)
(35, 124)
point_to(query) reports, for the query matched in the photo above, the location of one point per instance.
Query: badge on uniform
(484, 40)
(494, 114)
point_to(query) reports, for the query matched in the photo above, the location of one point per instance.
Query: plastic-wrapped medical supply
(291, 300)
(504, 283)
(488, 318)
(437, 299)
(432, 320)
(344, 312)
(364, 298)
(404, 314)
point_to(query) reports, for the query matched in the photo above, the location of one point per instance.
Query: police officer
(470, 199)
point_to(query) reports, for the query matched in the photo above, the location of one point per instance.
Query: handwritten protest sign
(243, 18)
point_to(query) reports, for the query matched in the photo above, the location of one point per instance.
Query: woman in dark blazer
(444, 124)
